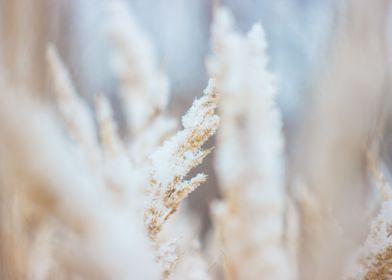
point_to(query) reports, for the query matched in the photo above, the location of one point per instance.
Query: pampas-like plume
(145, 91)
(249, 159)
(126, 181)
(191, 263)
(115, 169)
(144, 87)
(74, 111)
(122, 177)
(176, 157)
(374, 259)
(317, 219)
(170, 165)
(48, 184)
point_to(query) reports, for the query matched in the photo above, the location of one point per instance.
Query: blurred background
(297, 32)
(331, 59)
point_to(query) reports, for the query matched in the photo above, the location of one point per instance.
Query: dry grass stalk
(337, 122)
(75, 112)
(374, 259)
(249, 157)
(144, 87)
(317, 220)
(176, 157)
(115, 169)
(57, 189)
(170, 165)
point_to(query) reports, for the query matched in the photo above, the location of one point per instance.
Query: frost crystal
(374, 259)
(176, 157)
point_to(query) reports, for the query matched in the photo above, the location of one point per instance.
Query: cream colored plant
(176, 157)
(74, 111)
(144, 87)
(126, 175)
(83, 196)
(374, 259)
(249, 156)
(145, 91)
(172, 162)
(60, 206)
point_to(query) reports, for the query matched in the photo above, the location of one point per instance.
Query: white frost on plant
(144, 91)
(373, 260)
(192, 264)
(167, 257)
(176, 157)
(146, 142)
(249, 159)
(170, 165)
